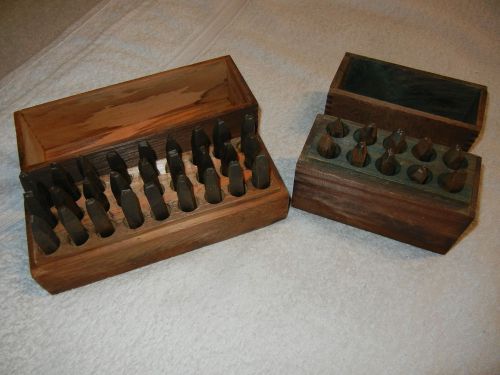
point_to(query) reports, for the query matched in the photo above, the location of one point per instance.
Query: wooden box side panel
(341, 72)
(369, 207)
(28, 147)
(239, 90)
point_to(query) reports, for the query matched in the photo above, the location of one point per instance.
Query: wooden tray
(422, 215)
(392, 96)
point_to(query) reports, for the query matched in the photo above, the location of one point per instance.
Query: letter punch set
(134, 173)
(137, 172)
(389, 154)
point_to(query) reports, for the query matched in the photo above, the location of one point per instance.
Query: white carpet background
(306, 295)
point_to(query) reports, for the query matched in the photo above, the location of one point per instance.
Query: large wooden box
(392, 96)
(117, 117)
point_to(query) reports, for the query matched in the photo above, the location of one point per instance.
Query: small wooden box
(117, 117)
(422, 215)
(392, 96)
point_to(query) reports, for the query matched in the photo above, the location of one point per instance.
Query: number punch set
(137, 172)
(389, 154)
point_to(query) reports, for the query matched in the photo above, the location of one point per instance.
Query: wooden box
(392, 96)
(117, 118)
(424, 215)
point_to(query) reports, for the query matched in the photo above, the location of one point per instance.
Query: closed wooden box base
(393, 206)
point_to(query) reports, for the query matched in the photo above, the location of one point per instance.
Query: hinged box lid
(448, 110)
(122, 114)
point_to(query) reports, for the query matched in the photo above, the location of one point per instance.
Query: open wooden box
(118, 117)
(392, 96)
(397, 100)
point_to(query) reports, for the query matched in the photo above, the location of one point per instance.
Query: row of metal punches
(213, 170)
(392, 152)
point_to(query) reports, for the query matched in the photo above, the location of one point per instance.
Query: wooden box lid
(448, 110)
(142, 108)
